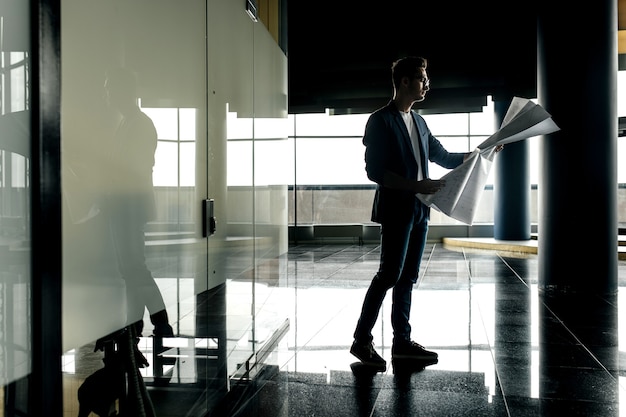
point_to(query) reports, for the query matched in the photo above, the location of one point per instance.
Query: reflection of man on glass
(131, 203)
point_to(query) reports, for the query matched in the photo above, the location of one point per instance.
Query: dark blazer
(388, 148)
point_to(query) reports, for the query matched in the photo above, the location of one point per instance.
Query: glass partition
(172, 200)
(15, 152)
(134, 134)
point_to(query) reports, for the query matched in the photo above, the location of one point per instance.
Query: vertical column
(512, 186)
(45, 396)
(577, 81)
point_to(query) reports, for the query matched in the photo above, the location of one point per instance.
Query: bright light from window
(330, 161)
(165, 173)
(175, 156)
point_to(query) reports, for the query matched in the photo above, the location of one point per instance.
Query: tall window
(330, 184)
(175, 155)
(15, 203)
(174, 174)
(14, 164)
(15, 82)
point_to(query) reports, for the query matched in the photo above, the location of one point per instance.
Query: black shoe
(366, 354)
(412, 350)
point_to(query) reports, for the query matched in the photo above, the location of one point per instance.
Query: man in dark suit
(398, 147)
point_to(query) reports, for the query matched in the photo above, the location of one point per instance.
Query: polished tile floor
(504, 349)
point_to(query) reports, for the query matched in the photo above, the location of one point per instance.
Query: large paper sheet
(464, 185)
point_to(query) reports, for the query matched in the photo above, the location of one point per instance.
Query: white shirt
(412, 129)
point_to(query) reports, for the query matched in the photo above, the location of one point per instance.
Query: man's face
(419, 85)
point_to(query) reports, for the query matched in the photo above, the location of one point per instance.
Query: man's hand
(429, 186)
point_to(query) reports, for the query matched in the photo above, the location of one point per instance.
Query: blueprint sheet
(464, 185)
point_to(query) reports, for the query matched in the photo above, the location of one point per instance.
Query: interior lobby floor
(504, 348)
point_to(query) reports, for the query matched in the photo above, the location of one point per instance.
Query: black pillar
(577, 84)
(46, 382)
(512, 186)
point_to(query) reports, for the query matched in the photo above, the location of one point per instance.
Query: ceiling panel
(340, 52)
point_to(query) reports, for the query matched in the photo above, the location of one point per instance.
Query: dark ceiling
(340, 52)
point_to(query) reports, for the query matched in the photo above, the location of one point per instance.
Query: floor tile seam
(580, 343)
(344, 267)
(513, 270)
(386, 373)
(386, 385)
(455, 260)
(615, 304)
(334, 251)
(497, 369)
(360, 255)
(499, 384)
(424, 269)
(469, 275)
(320, 328)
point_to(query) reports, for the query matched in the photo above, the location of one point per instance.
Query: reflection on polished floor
(504, 349)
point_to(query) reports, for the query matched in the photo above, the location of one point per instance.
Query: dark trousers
(402, 247)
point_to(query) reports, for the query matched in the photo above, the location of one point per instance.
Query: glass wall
(170, 208)
(15, 211)
(133, 253)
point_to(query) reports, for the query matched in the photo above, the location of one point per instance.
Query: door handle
(209, 224)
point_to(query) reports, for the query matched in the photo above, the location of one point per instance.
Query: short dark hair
(409, 66)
